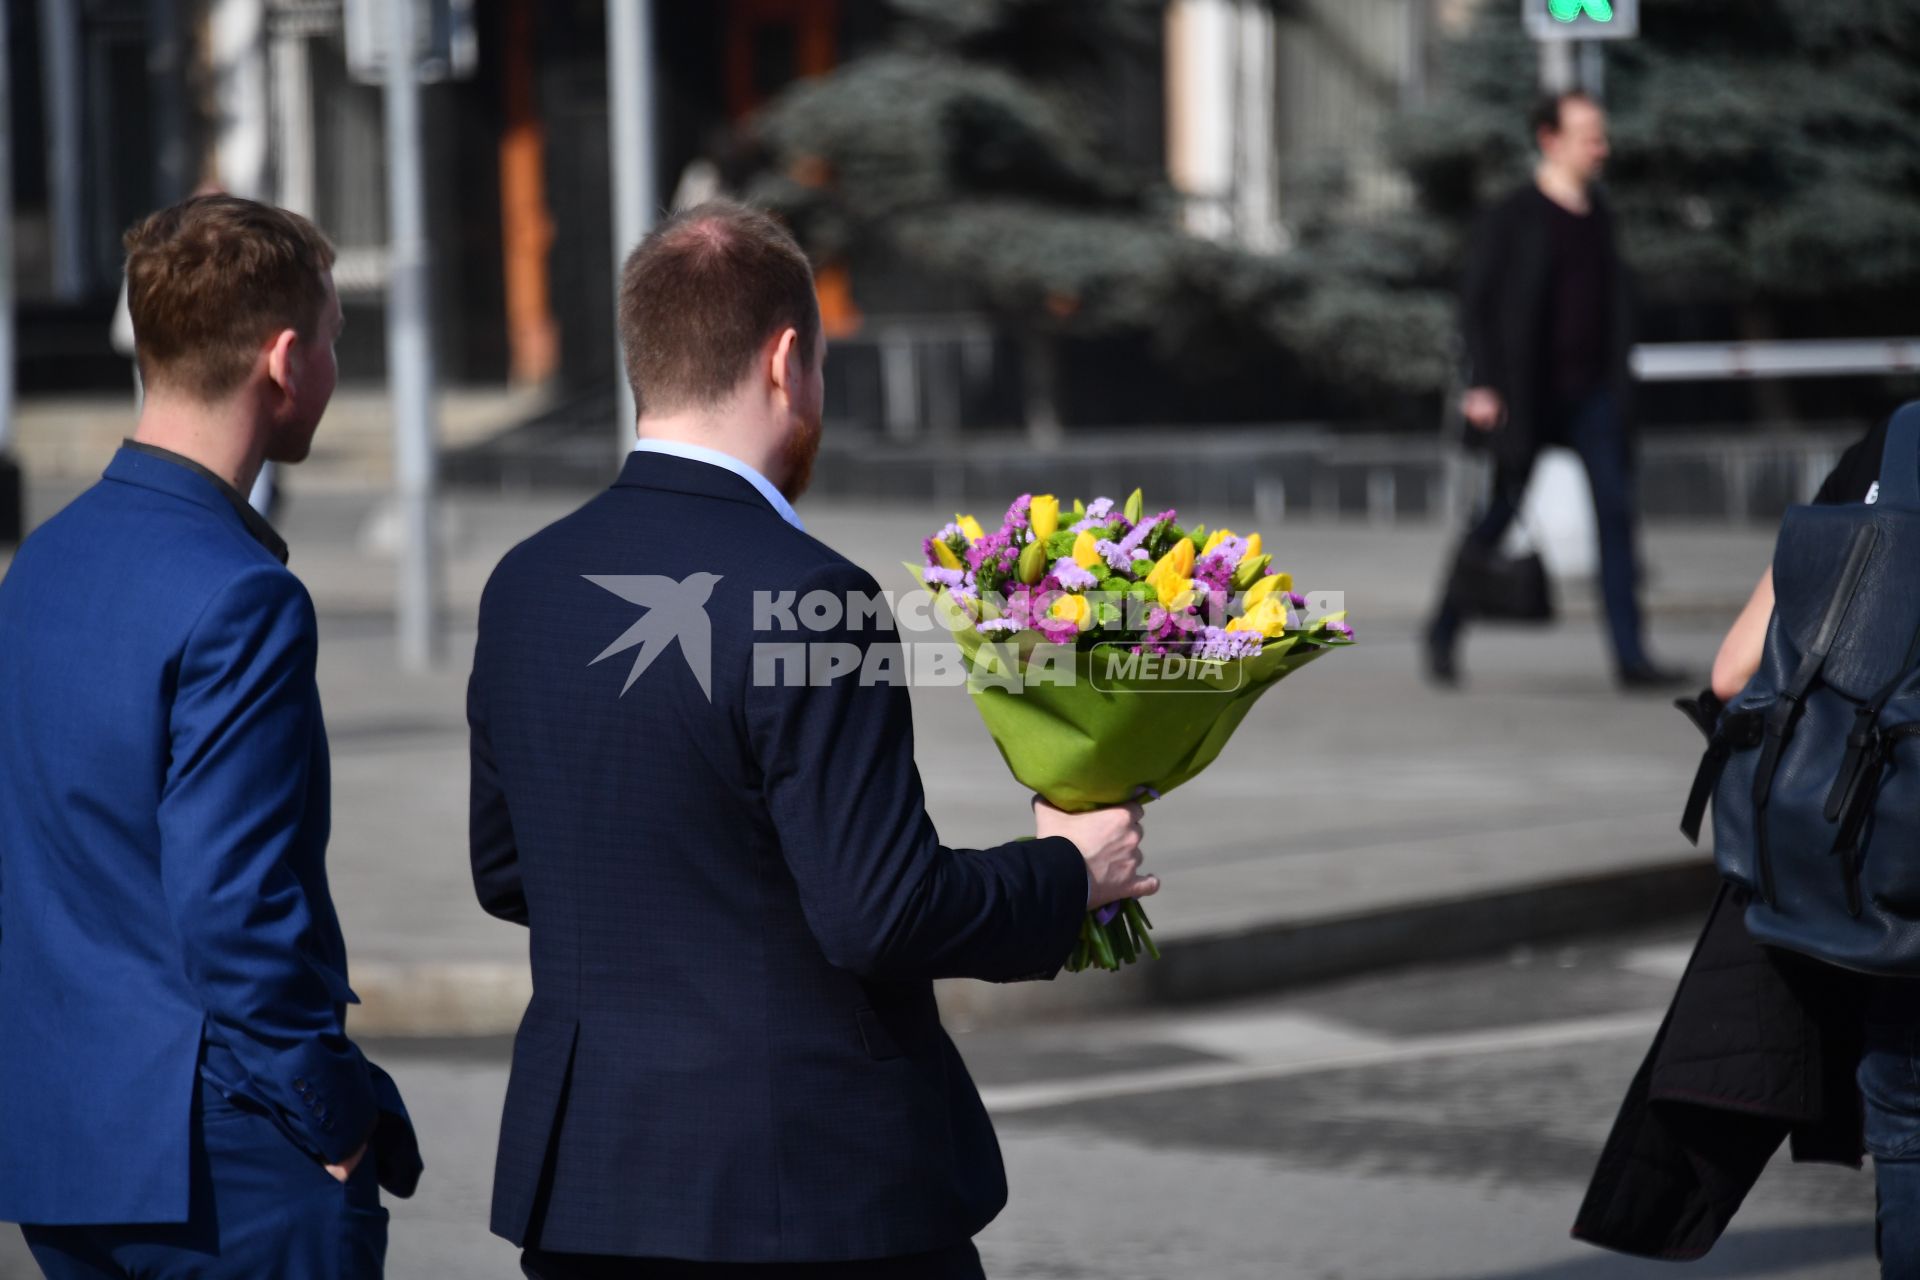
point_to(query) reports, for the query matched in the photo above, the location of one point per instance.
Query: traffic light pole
(410, 352)
(631, 135)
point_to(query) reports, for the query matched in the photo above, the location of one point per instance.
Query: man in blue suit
(732, 1062)
(178, 1096)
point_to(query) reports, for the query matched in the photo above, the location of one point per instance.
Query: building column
(526, 226)
(237, 55)
(290, 61)
(1220, 119)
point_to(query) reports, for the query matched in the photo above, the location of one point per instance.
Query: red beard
(803, 446)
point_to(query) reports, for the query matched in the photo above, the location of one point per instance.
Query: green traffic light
(1570, 10)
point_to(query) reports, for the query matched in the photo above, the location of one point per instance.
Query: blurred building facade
(120, 106)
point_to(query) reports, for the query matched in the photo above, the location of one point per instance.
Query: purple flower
(1341, 629)
(1069, 574)
(1232, 548)
(1217, 644)
(1017, 513)
(1216, 571)
(994, 626)
(1119, 557)
(1099, 515)
(993, 557)
(1297, 600)
(947, 577)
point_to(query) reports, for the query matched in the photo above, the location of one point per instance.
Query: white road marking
(1659, 962)
(1268, 1038)
(1008, 1099)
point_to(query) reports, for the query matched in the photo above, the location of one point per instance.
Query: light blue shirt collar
(727, 462)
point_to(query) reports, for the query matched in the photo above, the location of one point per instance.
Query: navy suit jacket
(737, 904)
(163, 831)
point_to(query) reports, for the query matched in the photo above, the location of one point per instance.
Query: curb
(1266, 959)
(487, 999)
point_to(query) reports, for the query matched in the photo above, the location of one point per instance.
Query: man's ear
(281, 363)
(785, 361)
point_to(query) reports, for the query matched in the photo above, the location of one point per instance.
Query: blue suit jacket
(737, 905)
(163, 829)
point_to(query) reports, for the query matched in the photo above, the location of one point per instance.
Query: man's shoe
(1646, 677)
(1441, 669)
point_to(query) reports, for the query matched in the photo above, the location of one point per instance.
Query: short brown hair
(1546, 115)
(212, 278)
(702, 294)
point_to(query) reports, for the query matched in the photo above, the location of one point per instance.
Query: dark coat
(1504, 320)
(1758, 1046)
(737, 903)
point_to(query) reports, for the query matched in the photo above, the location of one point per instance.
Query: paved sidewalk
(1358, 819)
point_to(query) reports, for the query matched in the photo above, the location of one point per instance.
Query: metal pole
(410, 350)
(631, 135)
(166, 91)
(60, 74)
(12, 498)
(1593, 69)
(1557, 73)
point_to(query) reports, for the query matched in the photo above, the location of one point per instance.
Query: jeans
(1890, 1087)
(1591, 427)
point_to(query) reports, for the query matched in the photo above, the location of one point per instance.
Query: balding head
(702, 295)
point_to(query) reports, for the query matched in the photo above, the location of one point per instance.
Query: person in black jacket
(715, 833)
(1762, 1046)
(1546, 317)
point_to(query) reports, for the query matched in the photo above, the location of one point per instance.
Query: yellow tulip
(1253, 547)
(1174, 592)
(944, 554)
(1177, 564)
(1214, 540)
(1086, 551)
(1044, 516)
(1269, 618)
(1072, 609)
(970, 527)
(1264, 588)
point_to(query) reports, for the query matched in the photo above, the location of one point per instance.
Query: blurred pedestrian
(178, 1095)
(1764, 1045)
(733, 1064)
(1546, 315)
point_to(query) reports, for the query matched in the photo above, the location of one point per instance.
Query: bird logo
(674, 611)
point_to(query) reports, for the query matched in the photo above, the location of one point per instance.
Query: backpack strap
(1736, 731)
(1785, 709)
(1900, 460)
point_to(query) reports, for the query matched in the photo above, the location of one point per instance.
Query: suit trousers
(961, 1263)
(258, 1207)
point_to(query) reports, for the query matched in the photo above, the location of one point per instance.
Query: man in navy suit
(732, 1062)
(178, 1096)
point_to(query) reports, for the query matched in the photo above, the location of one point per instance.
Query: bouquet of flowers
(1112, 653)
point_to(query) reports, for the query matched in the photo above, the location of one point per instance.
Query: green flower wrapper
(1099, 740)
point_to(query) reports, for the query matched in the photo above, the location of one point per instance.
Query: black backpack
(1812, 768)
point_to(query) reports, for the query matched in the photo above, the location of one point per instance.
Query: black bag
(1488, 583)
(1812, 769)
